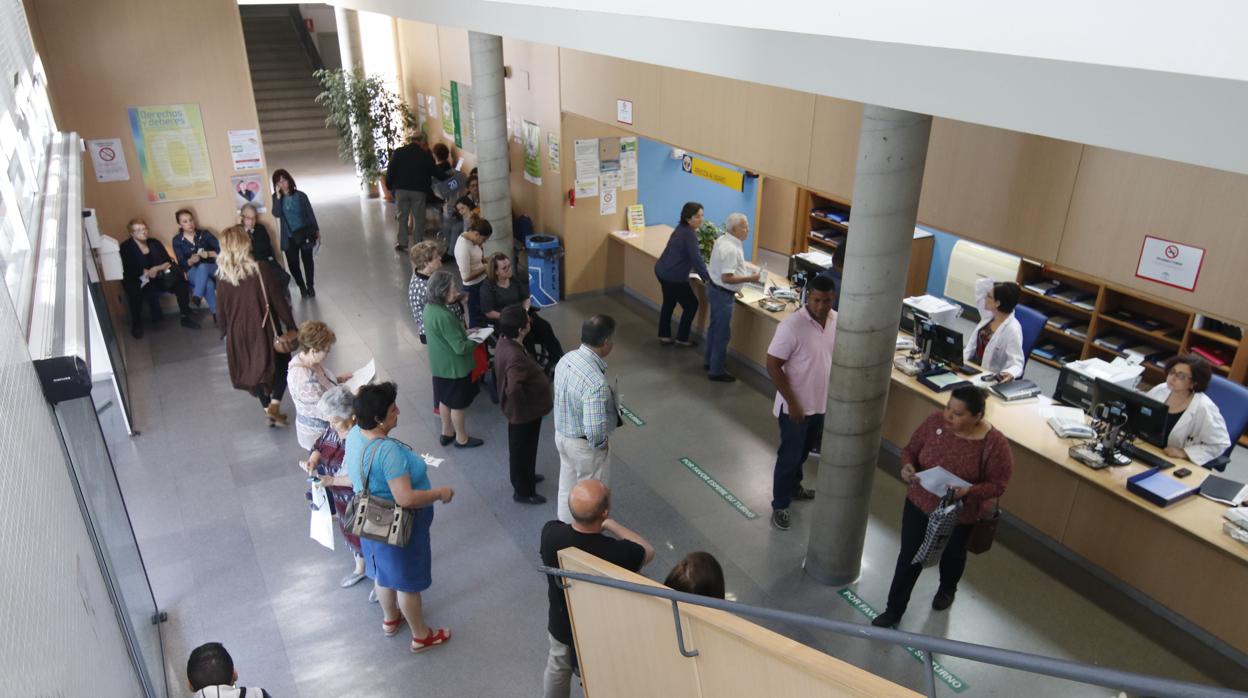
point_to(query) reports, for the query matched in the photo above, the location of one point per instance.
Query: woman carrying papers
(959, 440)
(997, 342)
(1195, 429)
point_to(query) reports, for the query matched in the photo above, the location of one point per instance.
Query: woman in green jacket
(450, 360)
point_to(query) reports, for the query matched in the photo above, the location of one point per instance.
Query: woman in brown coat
(526, 396)
(251, 312)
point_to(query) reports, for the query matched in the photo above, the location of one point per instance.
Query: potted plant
(371, 120)
(708, 232)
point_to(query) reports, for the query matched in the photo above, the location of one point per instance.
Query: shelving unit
(822, 223)
(1136, 319)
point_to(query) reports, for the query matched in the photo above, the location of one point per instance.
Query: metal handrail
(1117, 679)
(309, 46)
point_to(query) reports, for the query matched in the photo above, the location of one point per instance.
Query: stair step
(322, 145)
(298, 71)
(299, 123)
(285, 103)
(304, 135)
(304, 80)
(302, 111)
(305, 93)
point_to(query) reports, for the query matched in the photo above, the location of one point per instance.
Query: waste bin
(545, 256)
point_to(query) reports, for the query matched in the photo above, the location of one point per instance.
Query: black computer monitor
(948, 345)
(1146, 417)
(1075, 389)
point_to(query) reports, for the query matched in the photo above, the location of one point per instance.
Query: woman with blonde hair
(308, 380)
(254, 318)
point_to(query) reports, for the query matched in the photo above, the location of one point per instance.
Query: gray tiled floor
(219, 510)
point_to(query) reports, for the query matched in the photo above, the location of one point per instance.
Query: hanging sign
(716, 173)
(448, 116)
(1170, 263)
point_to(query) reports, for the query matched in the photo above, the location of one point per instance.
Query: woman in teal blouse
(450, 360)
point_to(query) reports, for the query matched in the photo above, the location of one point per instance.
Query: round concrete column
(489, 98)
(892, 150)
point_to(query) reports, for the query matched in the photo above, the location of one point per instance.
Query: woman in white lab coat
(1195, 429)
(997, 343)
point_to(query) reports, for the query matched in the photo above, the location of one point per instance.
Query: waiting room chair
(1032, 321)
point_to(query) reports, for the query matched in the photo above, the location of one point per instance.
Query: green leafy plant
(707, 234)
(371, 120)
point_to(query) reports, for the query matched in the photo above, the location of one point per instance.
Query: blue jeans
(720, 329)
(796, 440)
(475, 317)
(203, 281)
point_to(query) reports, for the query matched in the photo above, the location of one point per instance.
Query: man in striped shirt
(585, 410)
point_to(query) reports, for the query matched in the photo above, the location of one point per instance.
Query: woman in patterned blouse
(961, 441)
(308, 380)
(426, 259)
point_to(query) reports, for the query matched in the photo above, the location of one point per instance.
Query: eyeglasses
(1180, 374)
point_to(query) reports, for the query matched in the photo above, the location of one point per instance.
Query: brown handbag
(286, 342)
(984, 530)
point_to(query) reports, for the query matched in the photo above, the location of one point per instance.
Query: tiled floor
(218, 506)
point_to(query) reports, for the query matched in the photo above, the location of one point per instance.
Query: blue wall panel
(663, 187)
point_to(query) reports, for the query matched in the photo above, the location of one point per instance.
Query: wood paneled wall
(777, 209)
(430, 57)
(533, 95)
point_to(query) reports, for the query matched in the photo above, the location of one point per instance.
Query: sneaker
(814, 453)
(351, 579)
(803, 495)
(943, 600)
(887, 619)
(780, 519)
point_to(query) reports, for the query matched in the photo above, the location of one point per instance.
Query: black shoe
(706, 367)
(943, 600)
(803, 495)
(472, 442)
(780, 519)
(196, 301)
(400, 248)
(303, 292)
(445, 440)
(311, 292)
(887, 619)
(188, 321)
(531, 499)
(136, 332)
(539, 478)
(723, 378)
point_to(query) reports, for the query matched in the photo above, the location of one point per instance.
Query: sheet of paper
(362, 375)
(431, 461)
(321, 524)
(624, 234)
(1061, 412)
(607, 201)
(587, 188)
(480, 334)
(938, 480)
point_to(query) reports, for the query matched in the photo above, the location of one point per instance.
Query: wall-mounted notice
(586, 188)
(636, 218)
(608, 154)
(466, 119)
(607, 199)
(448, 116)
(245, 150)
(585, 150)
(248, 189)
(624, 111)
(628, 163)
(1170, 263)
(532, 153)
(109, 160)
(552, 152)
(173, 153)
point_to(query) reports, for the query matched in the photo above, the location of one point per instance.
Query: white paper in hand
(362, 375)
(321, 527)
(938, 480)
(480, 334)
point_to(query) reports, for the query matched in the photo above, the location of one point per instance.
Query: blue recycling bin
(545, 257)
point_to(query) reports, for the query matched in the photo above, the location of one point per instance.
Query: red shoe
(391, 627)
(436, 637)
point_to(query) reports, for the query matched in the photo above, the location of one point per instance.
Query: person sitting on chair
(502, 290)
(147, 272)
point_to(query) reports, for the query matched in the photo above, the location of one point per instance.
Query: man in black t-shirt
(590, 502)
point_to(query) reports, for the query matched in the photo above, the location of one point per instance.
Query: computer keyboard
(1146, 457)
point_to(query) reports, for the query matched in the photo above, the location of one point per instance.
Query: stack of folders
(1018, 389)
(1043, 286)
(1080, 331)
(1115, 342)
(1073, 296)
(1060, 322)
(1221, 489)
(1144, 352)
(1053, 352)
(1235, 524)
(1159, 488)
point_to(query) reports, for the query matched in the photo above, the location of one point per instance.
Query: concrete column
(892, 150)
(350, 48)
(489, 98)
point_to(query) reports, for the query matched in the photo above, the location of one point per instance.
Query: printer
(941, 311)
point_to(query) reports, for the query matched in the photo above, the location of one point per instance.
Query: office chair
(1032, 322)
(1232, 400)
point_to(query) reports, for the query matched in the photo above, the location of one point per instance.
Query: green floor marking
(632, 416)
(719, 489)
(952, 681)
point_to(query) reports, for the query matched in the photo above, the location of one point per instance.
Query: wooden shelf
(835, 224)
(1062, 334)
(1055, 301)
(1156, 335)
(1046, 362)
(830, 244)
(1216, 337)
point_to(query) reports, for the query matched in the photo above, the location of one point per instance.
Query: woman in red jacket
(959, 440)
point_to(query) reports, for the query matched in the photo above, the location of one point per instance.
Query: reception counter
(1177, 556)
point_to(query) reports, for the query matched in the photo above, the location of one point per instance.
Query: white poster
(628, 179)
(586, 188)
(628, 163)
(245, 150)
(586, 154)
(552, 151)
(606, 201)
(610, 180)
(1170, 263)
(109, 160)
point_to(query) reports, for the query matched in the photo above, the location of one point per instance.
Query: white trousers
(578, 461)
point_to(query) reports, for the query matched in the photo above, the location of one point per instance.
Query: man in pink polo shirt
(799, 360)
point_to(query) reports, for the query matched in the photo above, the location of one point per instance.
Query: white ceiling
(1162, 80)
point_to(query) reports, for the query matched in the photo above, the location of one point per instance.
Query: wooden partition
(626, 643)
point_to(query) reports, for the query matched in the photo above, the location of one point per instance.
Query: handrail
(1033, 663)
(309, 46)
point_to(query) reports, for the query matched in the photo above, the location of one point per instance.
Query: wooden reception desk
(1177, 556)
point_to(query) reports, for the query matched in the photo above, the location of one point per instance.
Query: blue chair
(1232, 401)
(1032, 321)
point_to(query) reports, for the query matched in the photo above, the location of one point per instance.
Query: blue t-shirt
(390, 459)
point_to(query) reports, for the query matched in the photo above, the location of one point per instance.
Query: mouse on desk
(1182, 472)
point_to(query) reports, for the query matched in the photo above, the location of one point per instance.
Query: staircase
(281, 78)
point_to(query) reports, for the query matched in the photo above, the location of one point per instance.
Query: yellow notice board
(716, 173)
(173, 153)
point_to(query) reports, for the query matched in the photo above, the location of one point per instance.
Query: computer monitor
(948, 345)
(1075, 389)
(1146, 417)
(924, 332)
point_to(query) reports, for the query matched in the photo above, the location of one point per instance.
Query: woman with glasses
(1195, 429)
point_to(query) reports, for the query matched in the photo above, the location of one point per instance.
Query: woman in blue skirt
(394, 471)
